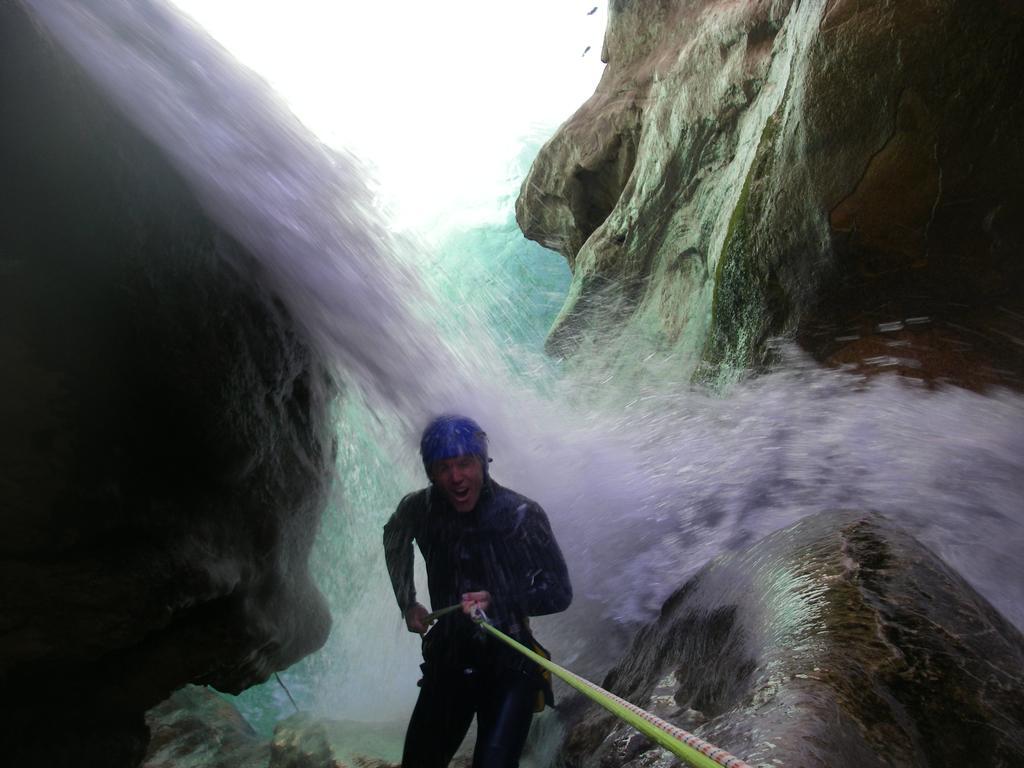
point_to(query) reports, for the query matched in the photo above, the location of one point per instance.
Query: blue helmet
(451, 435)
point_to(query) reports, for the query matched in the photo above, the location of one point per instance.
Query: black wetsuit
(503, 546)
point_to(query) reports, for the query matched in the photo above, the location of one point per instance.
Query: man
(487, 546)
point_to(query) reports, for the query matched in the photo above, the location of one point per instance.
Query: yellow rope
(683, 744)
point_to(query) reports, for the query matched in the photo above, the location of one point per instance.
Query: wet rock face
(818, 169)
(839, 641)
(165, 450)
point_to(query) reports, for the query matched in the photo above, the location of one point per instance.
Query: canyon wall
(845, 173)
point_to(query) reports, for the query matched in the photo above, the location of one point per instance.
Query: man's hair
(451, 435)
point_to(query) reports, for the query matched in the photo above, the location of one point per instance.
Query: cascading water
(643, 484)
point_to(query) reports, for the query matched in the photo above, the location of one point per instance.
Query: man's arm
(548, 589)
(398, 554)
(398, 536)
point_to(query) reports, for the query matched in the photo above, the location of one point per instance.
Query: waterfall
(303, 210)
(643, 484)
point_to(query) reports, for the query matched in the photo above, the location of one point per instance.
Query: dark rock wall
(165, 450)
(814, 169)
(839, 641)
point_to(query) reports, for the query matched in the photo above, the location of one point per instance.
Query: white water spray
(302, 210)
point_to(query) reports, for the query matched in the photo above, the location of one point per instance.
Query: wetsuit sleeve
(398, 554)
(547, 589)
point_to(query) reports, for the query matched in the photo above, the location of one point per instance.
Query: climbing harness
(694, 750)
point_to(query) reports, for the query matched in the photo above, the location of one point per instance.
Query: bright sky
(435, 95)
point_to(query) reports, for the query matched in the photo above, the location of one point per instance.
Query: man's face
(460, 480)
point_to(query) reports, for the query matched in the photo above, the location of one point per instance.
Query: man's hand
(416, 619)
(471, 600)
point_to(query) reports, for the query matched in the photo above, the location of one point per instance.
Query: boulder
(843, 173)
(166, 448)
(196, 728)
(838, 641)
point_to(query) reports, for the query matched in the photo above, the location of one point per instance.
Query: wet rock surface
(165, 449)
(818, 169)
(839, 641)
